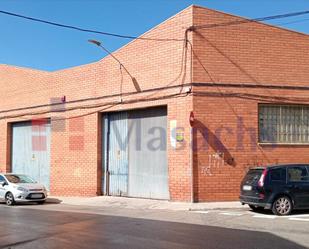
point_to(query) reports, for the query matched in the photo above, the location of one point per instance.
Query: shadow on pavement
(269, 212)
(53, 201)
(48, 229)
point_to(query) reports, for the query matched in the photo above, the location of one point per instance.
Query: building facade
(208, 95)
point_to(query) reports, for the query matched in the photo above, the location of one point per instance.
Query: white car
(16, 188)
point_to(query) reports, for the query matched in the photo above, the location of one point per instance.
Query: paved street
(68, 226)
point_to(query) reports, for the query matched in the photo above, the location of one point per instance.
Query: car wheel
(282, 206)
(9, 199)
(41, 202)
(256, 208)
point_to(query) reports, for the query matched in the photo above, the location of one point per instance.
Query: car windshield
(19, 179)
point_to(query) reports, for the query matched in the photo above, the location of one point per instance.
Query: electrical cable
(181, 72)
(99, 44)
(213, 81)
(190, 29)
(260, 19)
(292, 22)
(243, 21)
(256, 97)
(83, 29)
(184, 52)
(92, 106)
(156, 90)
(92, 98)
(235, 64)
(270, 97)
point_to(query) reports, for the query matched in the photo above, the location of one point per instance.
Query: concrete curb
(143, 204)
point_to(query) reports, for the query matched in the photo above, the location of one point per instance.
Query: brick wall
(231, 66)
(75, 147)
(249, 56)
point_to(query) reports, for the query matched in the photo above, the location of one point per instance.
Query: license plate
(247, 188)
(36, 196)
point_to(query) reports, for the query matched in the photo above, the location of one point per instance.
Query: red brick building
(245, 82)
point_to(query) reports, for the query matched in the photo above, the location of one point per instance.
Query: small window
(277, 175)
(2, 179)
(298, 174)
(286, 124)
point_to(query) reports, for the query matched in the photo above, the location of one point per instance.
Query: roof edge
(24, 68)
(247, 18)
(133, 40)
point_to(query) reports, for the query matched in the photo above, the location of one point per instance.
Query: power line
(92, 106)
(291, 22)
(259, 19)
(133, 93)
(85, 30)
(133, 37)
(121, 94)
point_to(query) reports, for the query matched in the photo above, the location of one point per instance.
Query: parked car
(16, 188)
(281, 188)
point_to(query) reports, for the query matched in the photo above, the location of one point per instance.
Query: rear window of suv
(253, 176)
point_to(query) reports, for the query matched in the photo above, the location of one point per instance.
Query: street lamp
(135, 83)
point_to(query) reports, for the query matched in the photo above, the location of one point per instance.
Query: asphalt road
(59, 226)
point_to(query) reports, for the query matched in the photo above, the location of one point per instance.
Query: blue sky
(35, 45)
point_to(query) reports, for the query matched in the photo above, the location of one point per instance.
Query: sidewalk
(136, 203)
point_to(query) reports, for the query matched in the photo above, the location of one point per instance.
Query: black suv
(280, 188)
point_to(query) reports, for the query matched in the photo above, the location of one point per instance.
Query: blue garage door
(116, 153)
(135, 153)
(31, 150)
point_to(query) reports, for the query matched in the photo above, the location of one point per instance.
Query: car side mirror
(3, 183)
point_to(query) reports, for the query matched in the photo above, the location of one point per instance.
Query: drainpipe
(191, 120)
(191, 164)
